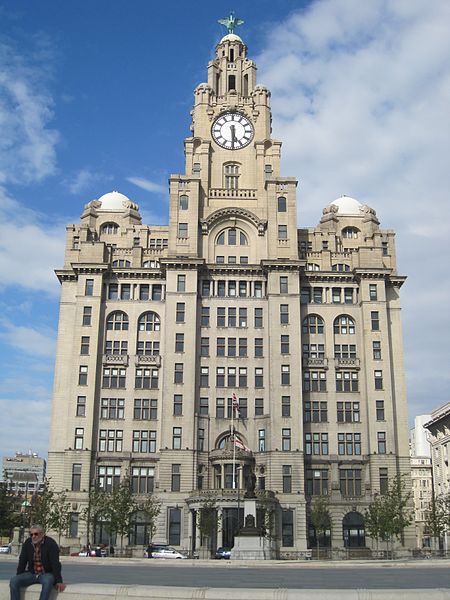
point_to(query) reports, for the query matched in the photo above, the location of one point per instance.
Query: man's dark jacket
(49, 558)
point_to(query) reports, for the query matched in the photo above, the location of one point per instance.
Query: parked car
(223, 552)
(5, 549)
(162, 551)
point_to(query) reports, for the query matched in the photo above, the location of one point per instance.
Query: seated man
(38, 563)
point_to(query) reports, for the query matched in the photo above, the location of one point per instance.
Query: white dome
(231, 37)
(347, 206)
(114, 201)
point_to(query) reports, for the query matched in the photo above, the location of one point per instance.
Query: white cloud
(25, 423)
(148, 185)
(27, 144)
(30, 248)
(85, 179)
(36, 342)
(361, 96)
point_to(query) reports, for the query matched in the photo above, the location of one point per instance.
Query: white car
(161, 551)
(5, 549)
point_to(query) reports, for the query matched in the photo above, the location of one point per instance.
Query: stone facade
(160, 326)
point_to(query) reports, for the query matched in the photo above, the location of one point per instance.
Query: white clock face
(232, 131)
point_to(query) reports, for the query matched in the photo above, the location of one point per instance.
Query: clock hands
(233, 135)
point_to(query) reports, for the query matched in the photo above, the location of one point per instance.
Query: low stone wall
(87, 591)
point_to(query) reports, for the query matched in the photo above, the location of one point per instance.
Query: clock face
(232, 131)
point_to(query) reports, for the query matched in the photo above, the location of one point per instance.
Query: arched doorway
(353, 530)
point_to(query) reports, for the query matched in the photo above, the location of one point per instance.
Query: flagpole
(234, 444)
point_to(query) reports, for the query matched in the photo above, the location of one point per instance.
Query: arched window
(117, 321)
(353, 526)
(231, 176)
(312, 267)
(184, 202)
(232, 237)
(151, 264)
(228, 439)
(344, 325)
(109, 228)
(340, 267)
(121, 263)
(312, 324)
(149, 321)
(350, 232)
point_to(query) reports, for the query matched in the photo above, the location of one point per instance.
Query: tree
(151, 507)
(60, 514)
(120, 510)
(98, 500)
(438, 517)
(208, 522)
(320, 518)
(373, 519)
(41, 506)
(9, 514)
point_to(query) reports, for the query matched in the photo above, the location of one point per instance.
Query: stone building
(161, 326)
(421, 478)
(24, 473)
(439, 437)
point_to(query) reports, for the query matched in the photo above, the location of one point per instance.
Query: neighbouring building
(438, 426)
(24, 473)
(161, 325)
(421, 478)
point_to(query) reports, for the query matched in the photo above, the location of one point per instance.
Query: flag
(240, 444)
(235, 404)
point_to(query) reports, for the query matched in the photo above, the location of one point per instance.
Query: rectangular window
(243, 407)
(349, 444)
(315, 412)
(284, 285)
(286, 439)
(204, 376)
(259, 407)
(206, 288)
(380, 410)
(89, 287)
(316, 482)
(345, 351)
(205, 316)
(204, 406)
(220, 346)
(242, 289)
(220, 376)
(381, 442)
(287, 479)
(348, 412)
(178, 405)
(113, 291)
(156, 292)
(176, 438)
(378, 379)
(259, 377)
(142, 480)
(176, 478)
(179, 342)
(284, 314)
(201, 441)
(258, 318)
(317, 295)
(81, 406)
(220, 408)
(282, 232)
(146, 379)
(375, 320)
(305, 295)
(348, 295)
(242, 377)
(346, 381)
(178, 374)
(204, 346)
(336, 295)
(376, 350)
(316, 444)
(87, 315)
(125, 291)
(73, 524)
(220, 316)
(144, 442)
(259, 347)
(258, 289)
(314, 381)
(287, 528)
(82, 375)
(148, 348)
(108, 478)
(285, 406)
(384, 481)
(180, 312)
(145, 409)
(184, 200)
(182, 230)
(110, 440)
(261, 440)
(232, 317)
(285, 375)
(113, 377)
(112, 408)
(284, 344)
(373, 294)
(232, 346)
(242, 347)
(76, 477)
(116, 347)
(181, 283)
(350, 482)
(242, 317)
(232, 377)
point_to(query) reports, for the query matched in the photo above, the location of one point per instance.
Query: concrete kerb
(110, 592)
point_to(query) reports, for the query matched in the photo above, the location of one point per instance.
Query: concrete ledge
(138, 592)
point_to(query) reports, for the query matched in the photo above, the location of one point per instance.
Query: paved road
(423, 574)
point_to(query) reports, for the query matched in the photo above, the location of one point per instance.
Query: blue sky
(95, 95)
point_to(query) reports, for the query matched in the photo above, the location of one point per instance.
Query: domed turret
(347, 206)
(115, 201)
